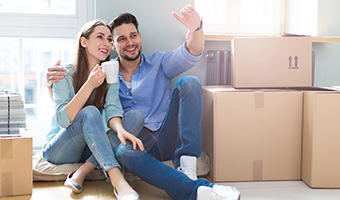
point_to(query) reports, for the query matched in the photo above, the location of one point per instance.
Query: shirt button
(127, 93)
(135, 102)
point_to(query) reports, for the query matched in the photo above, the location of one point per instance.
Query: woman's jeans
(180, 134)
(86, 140)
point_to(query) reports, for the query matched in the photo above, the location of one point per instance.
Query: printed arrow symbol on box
(296, 61)
(290, 61)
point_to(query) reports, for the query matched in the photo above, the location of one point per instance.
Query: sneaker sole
(237, 196)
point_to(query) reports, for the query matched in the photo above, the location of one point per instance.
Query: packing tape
(257, 170)
(6, 149)
(7, 184)
(259, 99)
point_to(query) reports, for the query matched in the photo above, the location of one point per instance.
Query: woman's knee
(90, 112)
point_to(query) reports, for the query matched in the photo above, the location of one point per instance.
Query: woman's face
(99, 44)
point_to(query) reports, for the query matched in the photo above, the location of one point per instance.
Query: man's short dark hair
(125, 18)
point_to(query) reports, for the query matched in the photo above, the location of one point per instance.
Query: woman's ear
(83, 42)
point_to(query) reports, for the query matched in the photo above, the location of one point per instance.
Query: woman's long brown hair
(81, 69)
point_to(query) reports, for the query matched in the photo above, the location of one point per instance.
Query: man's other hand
(54, 74)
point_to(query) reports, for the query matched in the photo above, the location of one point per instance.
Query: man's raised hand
(189, 18)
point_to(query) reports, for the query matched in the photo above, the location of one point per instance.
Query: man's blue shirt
(151, 84)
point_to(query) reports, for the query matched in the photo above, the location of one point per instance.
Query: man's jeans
(180, 134)
(86, 140)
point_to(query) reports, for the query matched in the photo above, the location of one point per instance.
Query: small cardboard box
(16, 166)
(321, 139)
(252, 135)
(272, 62)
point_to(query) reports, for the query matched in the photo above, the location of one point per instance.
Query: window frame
(21, 26)
(233, 25)
(46, 25)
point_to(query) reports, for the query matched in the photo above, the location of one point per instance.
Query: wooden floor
(100, 190)
(96, 190)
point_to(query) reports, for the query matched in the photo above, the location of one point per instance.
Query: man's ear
(83, 42)
(140, 35)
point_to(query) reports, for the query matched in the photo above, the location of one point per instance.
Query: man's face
(127, 42)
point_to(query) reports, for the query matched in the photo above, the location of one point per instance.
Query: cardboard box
(272, 62)
(321, 139)
(252, 135)
(16, 166)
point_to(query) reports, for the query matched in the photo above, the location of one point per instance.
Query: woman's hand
(124, 135)
(96, 77)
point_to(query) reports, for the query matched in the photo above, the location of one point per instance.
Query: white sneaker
(217, 192)
(203, 192)
(203, 164)
(188, 166)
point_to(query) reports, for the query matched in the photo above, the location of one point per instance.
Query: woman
(80, 98)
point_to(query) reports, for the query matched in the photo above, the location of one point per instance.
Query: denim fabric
(179, 134)
(71, 145)
(133, 122)
(63, 93)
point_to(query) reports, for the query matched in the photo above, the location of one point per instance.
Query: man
(172, 121)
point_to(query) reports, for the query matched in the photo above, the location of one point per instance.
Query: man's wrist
(200, 26)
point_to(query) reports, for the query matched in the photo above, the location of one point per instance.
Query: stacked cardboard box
(321, 139)
(16, 166)
(252, 135)
(256, 134)
(272, 62)
(15, 148)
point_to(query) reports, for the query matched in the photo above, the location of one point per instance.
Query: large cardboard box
(16, 166)
(272, 62)
(321, 139)
(252, 135)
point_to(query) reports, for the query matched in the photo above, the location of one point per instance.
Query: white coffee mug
(110, 68)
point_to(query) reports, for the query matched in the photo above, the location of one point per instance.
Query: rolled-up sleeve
(178, 61)
(113, 107)
(62, 96)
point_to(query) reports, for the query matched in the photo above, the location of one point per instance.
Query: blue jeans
(85, 140)
(180, 134)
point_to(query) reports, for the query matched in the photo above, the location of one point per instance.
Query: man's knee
(133, 122)
(191, 80)
(134, 115)
(126, 152)
(189, 84)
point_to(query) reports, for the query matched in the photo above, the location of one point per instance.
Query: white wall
(160, 30)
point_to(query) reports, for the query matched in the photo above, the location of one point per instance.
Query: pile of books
(12, 113)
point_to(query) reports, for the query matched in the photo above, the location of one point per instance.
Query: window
(63, 7)
(241, 16)
(303, 24)
(33, 36)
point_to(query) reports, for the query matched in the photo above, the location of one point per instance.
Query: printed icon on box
(291, 65)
